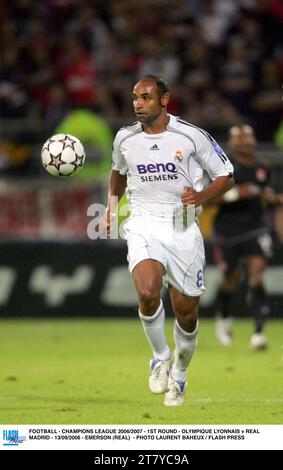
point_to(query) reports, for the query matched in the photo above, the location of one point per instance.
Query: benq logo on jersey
(167, 171)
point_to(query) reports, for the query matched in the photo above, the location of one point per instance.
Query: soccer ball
(62, 155)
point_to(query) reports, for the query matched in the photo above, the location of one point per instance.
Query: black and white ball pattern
(63, 155)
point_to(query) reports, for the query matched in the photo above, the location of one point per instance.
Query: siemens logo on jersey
(168, 168)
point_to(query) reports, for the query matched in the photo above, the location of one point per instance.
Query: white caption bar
(126, 437)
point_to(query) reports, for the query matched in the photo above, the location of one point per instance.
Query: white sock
(185, 344)
(154, 328)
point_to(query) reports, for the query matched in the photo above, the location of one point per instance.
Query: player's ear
(164, 100)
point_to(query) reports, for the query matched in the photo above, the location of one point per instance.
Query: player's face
(242, 141)
(147, 103)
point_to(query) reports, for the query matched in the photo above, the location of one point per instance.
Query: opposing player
(241, 235)
(159, 161)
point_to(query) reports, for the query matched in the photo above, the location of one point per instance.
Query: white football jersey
(159, 166)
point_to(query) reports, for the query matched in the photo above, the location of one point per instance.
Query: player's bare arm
(216, 189)
(239, 191)
(117, 186)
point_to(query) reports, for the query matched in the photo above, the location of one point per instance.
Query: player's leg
(257, 299)
(227, 260)
(184, 276)
(147, 276)
(185, 331)
(185, 310)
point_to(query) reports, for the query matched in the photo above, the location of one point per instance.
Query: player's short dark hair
(161, 85)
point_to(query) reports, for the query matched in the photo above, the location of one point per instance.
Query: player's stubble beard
(149, 119)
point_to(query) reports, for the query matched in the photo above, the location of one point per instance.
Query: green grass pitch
(84, 371)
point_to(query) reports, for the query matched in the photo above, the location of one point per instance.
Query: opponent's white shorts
(180, 252)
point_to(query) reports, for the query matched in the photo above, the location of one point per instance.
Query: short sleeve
(118, 161)
(211, 156)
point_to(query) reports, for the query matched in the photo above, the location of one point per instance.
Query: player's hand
(107, 219)
(191, 197)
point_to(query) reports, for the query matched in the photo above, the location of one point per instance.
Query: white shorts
(180, 252)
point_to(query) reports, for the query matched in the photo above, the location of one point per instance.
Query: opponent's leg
(257, 299)
(226, 292)
(226, 258)
(185, 335)
(147, 276)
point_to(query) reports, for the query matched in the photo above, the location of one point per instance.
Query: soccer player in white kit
(160, 162)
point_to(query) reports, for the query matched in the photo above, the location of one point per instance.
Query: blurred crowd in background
(223, 60)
